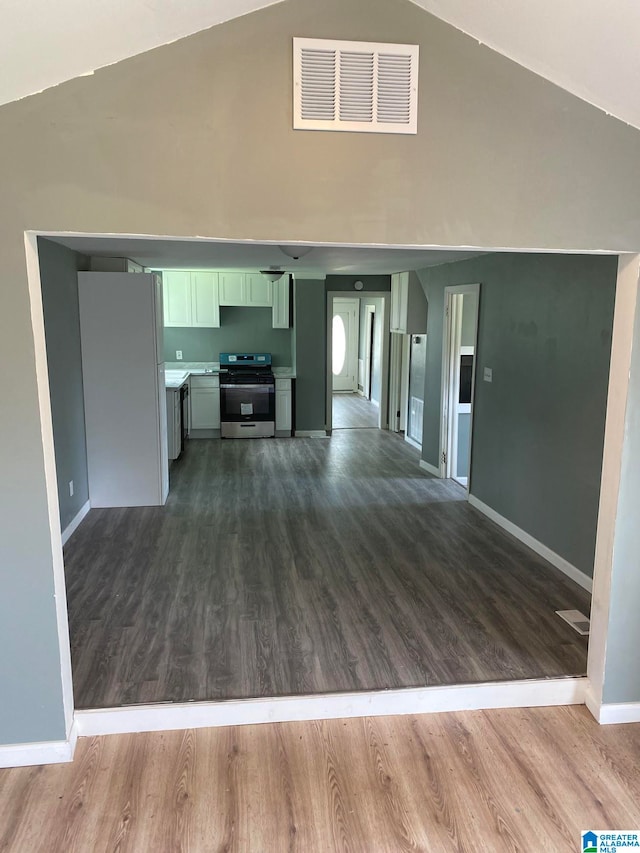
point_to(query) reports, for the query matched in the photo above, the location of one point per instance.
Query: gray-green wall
(241, 330)
(545, 330)
(311, 348)
(59, 275)
(158, 144)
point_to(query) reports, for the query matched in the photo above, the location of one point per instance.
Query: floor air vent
(365, 87)
(578, 621)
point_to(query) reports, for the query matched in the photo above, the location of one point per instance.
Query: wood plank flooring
(494, 781)
(351, 411)
(293, 566)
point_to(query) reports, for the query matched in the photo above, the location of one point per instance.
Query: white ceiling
(588, 47)
(212, 254)
(43, 43)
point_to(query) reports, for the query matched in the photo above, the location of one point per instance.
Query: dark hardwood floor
(351, 411)
(307, 565)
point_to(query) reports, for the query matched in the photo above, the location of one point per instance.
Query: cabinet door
(204, 402)
(176, 286)
(283, 405)
(280, 314)
(232, 288)
(258, 290)
(205, 305)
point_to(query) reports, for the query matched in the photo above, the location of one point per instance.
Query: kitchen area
(229, 355)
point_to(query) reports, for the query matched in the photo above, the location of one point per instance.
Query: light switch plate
(488, 374)
(178, 355)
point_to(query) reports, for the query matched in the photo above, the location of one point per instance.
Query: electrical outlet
(178, 355)
(488, 374)
(70, 488)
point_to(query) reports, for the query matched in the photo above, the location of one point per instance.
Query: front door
(345, 344)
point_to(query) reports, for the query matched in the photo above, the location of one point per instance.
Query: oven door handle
(266, 385)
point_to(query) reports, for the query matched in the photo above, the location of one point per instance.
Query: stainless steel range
(247, 395)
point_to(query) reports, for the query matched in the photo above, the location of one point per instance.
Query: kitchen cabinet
(281, 296)
(177, 298)
(258, 291)
(204, 396)
(247, 290)
(232, 288)
(408, 304)
(284, 407)
(191, 299)
(205, 303)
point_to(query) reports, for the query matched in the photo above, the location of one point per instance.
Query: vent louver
(355, 86)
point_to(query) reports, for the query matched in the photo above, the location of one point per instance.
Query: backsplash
(241, 330)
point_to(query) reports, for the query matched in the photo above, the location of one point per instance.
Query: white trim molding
(610, 713)
(550, 556)
(413, 443)
(331, 706)
(75, 522)
(311, 433)
(427, 466)
(47, 752)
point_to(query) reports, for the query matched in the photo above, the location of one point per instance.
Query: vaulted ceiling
(587, 47)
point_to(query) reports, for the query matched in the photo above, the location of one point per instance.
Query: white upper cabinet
(258, 291)
(408, 304)
(232, 288)
(205, 305)
(177, 297)
(193, 298)
(281, 291)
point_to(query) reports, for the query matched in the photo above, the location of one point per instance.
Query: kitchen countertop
(177, 373)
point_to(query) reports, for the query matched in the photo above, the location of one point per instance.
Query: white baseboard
(311, 433)
(555, 559)
(47, 752)
(375, 403)
(75, 522)
(609, 713)
(427, 466)
(412, 442)
(421, 700)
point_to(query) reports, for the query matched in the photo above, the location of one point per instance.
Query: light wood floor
(512, 780)
(292, 566)
(351, 411)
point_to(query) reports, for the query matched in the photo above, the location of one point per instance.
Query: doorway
(357, 360)
(458, 381)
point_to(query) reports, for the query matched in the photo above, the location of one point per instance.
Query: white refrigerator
(121, 329)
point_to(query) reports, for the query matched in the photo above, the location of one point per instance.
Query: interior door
(345, 344)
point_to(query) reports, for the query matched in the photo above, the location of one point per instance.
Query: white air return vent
(366, 87)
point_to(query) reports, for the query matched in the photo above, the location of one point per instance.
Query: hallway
(351, 411)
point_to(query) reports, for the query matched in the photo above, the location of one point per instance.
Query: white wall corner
(611, 713)
(46, 752)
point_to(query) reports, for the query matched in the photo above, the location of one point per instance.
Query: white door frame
(452, 325)
(623, 328)
(369, 334)
(361, 294)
